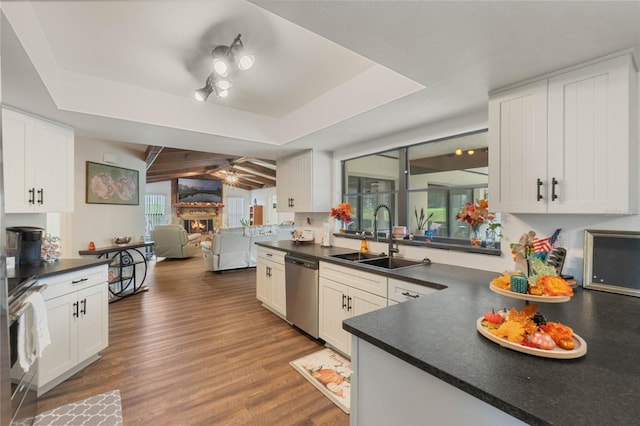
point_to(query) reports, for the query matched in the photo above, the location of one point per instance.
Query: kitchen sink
(358, 257)
(390, 262)
(378, 260)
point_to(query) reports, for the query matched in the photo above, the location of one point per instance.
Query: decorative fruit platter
(579, 350)
(528, 330)
(530, 297)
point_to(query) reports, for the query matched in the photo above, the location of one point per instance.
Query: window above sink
(425, 185)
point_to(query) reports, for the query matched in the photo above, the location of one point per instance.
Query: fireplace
(199, 225)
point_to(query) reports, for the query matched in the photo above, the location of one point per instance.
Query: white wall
(513, 226)
(101, 222)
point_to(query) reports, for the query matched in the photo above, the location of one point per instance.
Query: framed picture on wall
(112, 185)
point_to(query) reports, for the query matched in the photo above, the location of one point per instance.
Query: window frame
(403, 194)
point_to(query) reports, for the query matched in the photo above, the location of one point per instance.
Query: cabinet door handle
(554, 182)
(32, 196)
(407, 294)
(41, 196)
(539, 184)
(83, 310)
(349, 303)
(75, 310)
(80, 280)
(344, 301)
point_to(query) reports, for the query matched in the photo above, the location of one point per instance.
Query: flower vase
(491, 238)
(475, 236)
(342, 227)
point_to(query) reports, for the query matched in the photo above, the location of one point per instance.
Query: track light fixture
(225, 59)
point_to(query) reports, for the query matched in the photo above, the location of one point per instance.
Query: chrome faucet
(375, 228)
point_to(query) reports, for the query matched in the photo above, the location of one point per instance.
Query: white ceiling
(328, 73)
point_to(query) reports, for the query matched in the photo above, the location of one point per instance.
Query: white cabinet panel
(304, 182)
(270, 280)
(518, 149)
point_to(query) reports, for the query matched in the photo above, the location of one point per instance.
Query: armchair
(173, 241)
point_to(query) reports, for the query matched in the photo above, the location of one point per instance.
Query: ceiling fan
(232, 176)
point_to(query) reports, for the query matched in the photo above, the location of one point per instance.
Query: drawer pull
(414, 296)
(81, 280)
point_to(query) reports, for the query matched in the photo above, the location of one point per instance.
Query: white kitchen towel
(33, 331)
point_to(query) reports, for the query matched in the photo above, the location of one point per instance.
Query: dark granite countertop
(437, 334)
(60, 266)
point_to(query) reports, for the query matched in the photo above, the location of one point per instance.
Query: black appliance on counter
(25, 244)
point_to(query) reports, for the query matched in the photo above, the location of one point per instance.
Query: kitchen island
(436, 335)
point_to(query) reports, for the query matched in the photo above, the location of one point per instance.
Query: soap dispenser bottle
(363, 245)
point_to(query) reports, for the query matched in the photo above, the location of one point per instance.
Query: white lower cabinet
(270, 280)
(342, 296)
(78, 316)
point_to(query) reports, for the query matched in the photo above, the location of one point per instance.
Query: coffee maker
(25, 244)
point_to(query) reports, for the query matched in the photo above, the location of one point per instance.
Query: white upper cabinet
(568, 143)
(304, 182)
(39, 164)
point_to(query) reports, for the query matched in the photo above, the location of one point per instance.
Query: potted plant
(422, 220)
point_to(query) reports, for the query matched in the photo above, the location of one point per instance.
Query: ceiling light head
(221, 58)
(243, 60)
(222, 93)
(231, 179)
(223, 84)
(203, 93)
(246, 62)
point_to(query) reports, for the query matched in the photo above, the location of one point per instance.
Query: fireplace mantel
(198, 209)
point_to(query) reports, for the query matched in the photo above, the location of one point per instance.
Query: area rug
(99, 410)
(330, 373)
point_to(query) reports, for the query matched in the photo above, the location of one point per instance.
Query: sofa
(234, 248)
(173, 241)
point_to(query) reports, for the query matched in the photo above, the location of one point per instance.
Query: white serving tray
(578, 351)
(529, 297)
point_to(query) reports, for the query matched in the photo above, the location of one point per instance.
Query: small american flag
(541, 245)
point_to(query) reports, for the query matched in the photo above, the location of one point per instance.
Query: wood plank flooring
(199, 349)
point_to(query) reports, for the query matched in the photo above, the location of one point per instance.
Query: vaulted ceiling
(170, 163)
(328, 74)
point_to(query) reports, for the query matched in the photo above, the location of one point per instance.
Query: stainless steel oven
(24, 394)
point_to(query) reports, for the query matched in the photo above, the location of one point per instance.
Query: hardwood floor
(199, 349)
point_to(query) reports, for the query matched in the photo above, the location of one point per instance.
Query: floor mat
(99, 410)
(330, 373)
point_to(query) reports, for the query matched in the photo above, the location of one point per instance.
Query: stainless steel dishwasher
(301, 278)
